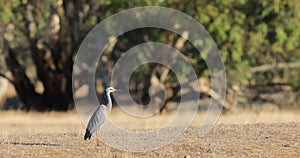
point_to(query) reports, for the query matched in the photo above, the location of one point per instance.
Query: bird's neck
(109, 102)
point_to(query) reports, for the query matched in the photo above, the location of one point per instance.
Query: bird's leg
(98, 138)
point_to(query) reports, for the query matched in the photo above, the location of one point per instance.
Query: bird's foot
(98, 141)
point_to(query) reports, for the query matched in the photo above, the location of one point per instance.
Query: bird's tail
(87, 135)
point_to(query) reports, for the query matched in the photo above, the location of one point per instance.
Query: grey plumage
(87, 134)
(100, 114)
(97, 119)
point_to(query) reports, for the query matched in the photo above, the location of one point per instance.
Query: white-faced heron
(99, 116)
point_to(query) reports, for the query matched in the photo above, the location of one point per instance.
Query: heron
(99, 116)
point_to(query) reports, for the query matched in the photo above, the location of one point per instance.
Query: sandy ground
(240, 134)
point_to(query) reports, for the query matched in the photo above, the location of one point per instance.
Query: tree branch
(267, 67)
(9, 79)
(181, 40)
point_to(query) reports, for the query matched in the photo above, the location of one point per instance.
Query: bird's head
(111, 89)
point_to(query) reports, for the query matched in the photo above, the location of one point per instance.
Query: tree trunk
(52, 51)
(55, 77)
(22, 84)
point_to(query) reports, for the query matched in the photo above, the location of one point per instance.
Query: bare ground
(243, 134)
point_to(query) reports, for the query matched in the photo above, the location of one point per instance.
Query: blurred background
(258, 40)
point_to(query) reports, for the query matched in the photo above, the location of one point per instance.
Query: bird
(99, 116)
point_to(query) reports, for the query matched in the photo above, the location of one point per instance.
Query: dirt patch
(61, 135)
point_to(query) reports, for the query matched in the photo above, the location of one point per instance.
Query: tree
(47, 33)
(40, 40)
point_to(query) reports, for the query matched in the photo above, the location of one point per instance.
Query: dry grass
(245, 133)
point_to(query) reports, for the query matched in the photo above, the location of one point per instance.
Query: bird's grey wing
(97, 119)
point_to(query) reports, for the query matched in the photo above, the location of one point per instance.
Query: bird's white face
(110, 90)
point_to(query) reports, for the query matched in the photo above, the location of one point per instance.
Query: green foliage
(6, 11)
(248, 33)
(252, 33)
